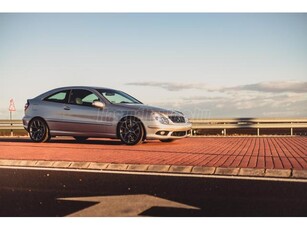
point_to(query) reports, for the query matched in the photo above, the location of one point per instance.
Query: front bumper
(172, 131)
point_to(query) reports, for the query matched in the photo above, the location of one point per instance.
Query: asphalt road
(65, 193)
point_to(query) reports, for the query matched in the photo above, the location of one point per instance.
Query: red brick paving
(242, 152)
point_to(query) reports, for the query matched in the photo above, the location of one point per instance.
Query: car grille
(177, 119)
(179, 133)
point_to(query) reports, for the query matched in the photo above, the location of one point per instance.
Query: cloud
(248, 108)
(263, 99)
(203, 98)
(272, 87)
(268, 87)
(256, 105)
(171, 86)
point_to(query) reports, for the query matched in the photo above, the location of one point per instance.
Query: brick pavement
(226, 152)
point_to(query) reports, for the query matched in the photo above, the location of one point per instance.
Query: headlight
(162, 119)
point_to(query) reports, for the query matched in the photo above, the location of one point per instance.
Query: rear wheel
(130, 131)
(81, 139)
(39, 130)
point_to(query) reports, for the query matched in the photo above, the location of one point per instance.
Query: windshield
(117, 97)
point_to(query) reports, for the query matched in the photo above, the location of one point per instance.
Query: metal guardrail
(11, 124)
(249, 123)
(210, 124)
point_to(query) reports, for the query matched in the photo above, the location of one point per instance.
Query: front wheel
(130, 131)
(39, 130)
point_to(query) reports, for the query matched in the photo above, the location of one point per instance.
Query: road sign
(12, 106)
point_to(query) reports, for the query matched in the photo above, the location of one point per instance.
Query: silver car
(84, 112)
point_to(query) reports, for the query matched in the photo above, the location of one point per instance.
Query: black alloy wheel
(39, 130)
(130, 131)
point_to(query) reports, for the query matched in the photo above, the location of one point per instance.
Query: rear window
(60, 97)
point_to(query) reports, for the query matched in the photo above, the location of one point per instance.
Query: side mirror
(98, 104)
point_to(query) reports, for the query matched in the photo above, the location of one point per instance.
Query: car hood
(148, 108)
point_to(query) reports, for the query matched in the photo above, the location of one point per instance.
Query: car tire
(167, 140)
(81, 139)
(130, 131)
(39, 130)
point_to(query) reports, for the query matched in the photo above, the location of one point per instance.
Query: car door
(82, 118)
(52, 110)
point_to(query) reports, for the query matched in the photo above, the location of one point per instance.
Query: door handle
(67, 108)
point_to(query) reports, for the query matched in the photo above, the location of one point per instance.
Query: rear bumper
(25, 122)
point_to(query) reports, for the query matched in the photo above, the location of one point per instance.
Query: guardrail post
(258, 132)
(12, 134)
(225, 132)
(291, 131)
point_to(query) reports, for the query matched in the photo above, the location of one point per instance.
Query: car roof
(81, 87)
(43, 95)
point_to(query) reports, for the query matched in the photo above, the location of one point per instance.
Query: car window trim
(120, 92)
(60, 102)
(71, 90)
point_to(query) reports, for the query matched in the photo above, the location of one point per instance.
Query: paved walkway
(219, 152)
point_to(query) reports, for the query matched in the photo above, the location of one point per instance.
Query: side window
(82, 97)
(59, 97)
(116, 98)
(90, 98)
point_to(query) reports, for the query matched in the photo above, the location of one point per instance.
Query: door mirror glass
(98, 104)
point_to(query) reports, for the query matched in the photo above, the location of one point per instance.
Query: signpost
(12, 109)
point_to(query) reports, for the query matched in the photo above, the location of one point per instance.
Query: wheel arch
(41, 118)
(131, 116)
(46, 136)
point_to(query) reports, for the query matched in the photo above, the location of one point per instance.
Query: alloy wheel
(38, 130)
(131, 131)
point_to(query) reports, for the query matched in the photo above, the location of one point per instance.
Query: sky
(208, 65)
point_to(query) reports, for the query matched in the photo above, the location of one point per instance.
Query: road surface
(32, 192)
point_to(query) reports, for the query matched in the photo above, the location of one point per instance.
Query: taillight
(27, 105)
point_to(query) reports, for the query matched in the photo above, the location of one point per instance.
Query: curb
(200, 170)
